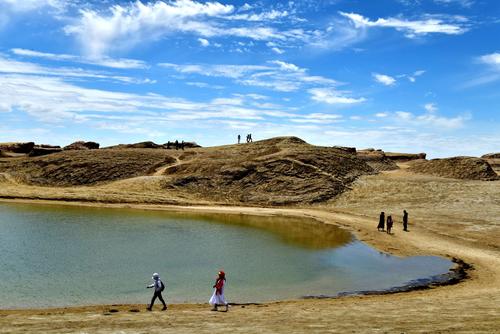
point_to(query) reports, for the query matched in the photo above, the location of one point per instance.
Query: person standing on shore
(239, 139)
(405, 221)
(158, 289)
(218, 295)
(389, 224)
(381, 222)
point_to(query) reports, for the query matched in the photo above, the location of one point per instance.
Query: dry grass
(466, 168)
(272, 172)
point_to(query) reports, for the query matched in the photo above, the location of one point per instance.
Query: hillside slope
(277, 171)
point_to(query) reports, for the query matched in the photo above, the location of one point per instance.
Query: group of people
(388, 223)
(249, 138)
(176, 145)
(216, 300)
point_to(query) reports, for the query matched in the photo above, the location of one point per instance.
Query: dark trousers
(157, 294)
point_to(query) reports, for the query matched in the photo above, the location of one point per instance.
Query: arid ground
(448, 217)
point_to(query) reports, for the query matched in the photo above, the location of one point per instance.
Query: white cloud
(381, 114)
(287, 66)
(412, 28)
(413, 77)
(123, 27)
(120, 63)
(431, 119)
(277, 50)
(488, 75)
(384, 79)
(318, 118)
(332, 96)
(10, 66)
(28, 5)
(203, 42)
(430, 107)
(52, 99)
(463, 3)
(264, 16)
(276, 75)
(492, 59)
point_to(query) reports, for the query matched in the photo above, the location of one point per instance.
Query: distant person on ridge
(239, 139)
(218, 295)
(405, 221)
(250, 138)
(182, 145)
(389, 224)
(381, 222)
(176, 144)
(158, 289)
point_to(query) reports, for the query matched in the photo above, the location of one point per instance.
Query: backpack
(162, 287)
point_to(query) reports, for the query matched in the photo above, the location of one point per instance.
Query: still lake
(53, 255)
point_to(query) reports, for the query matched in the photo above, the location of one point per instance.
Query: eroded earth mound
(467, 168)
(84, 167)
(277, 171)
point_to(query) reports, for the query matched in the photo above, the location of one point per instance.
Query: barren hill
(467, 168)
(277, 171)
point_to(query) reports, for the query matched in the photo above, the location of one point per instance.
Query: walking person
(239, 139)
(381, 222)
(389, 224)
(158, 289)
(217, 298)
(405, 221)
(250, 140)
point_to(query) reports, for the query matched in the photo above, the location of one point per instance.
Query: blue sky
(401, 75)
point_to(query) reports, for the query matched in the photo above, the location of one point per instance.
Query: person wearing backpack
(158, 289)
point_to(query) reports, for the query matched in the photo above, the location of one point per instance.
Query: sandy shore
(472, 306)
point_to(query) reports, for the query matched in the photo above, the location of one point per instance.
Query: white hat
(155, 276)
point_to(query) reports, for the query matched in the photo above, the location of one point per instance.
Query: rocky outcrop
(376, 159)
(144, 144)
(404, 157)
(466, 168)
(188, 144)
(23, 148)
(41, 150)
(82, 145)
(491, 156)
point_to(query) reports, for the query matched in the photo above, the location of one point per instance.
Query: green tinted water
(63, 255)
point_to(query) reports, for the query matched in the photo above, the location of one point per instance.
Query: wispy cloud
(436, 24)
(274, 75)
(490, 72)
(124, 26)
(432, 119)
(332, 96)
(463, 3)
(9, 66)
(492, 59)
(384, 79)
(28, 5)
(104, 61)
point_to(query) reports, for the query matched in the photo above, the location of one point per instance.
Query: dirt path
(161, 170)
(469, 307)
